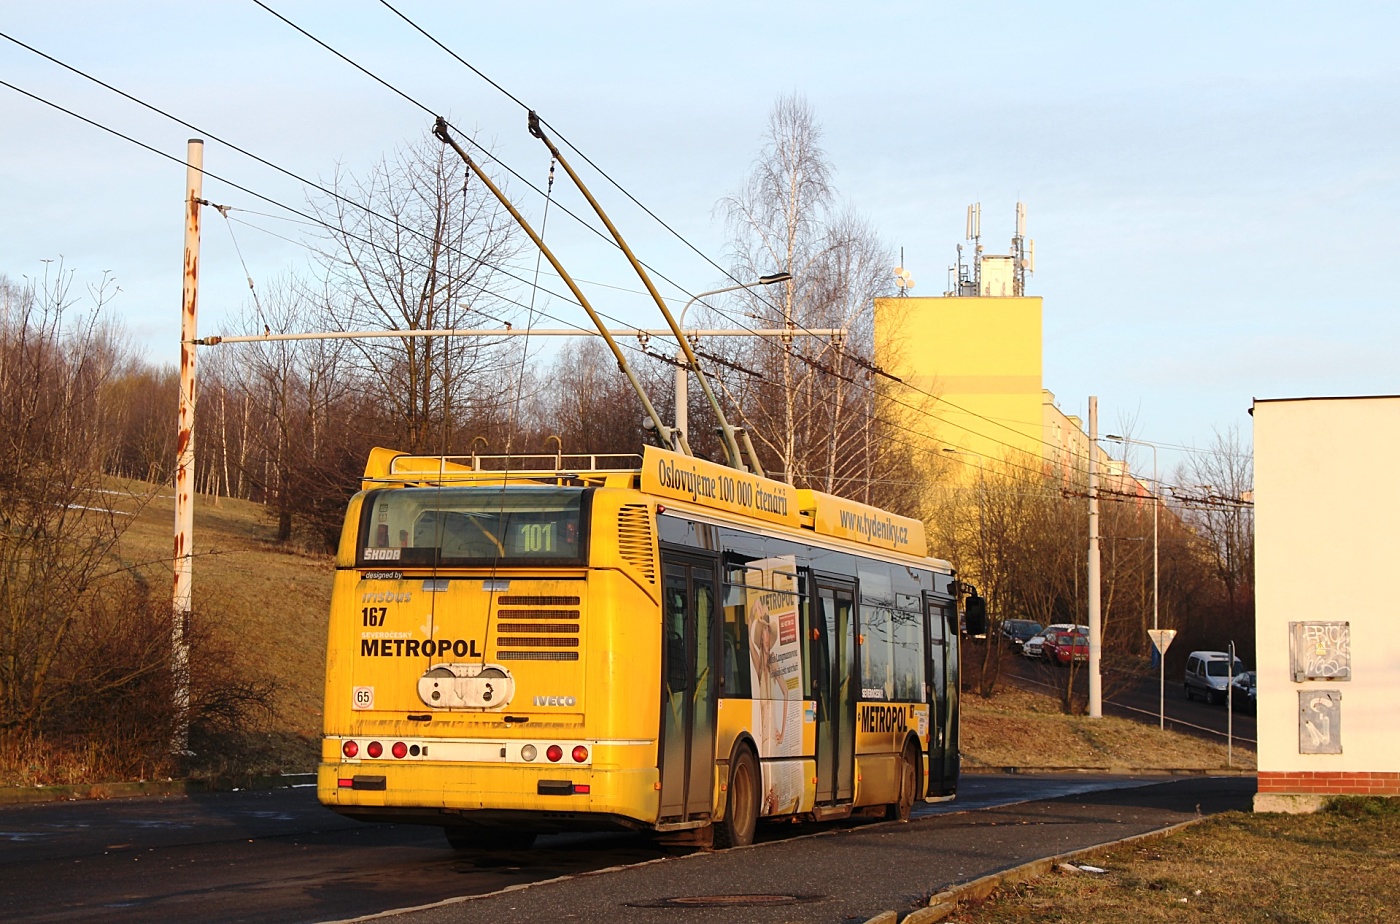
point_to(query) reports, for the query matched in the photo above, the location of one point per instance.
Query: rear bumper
(455, 793)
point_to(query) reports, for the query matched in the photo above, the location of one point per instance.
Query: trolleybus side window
(735, 642)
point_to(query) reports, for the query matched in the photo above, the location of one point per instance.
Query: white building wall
(1327, 548)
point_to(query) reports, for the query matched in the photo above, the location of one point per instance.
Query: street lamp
(981, 508)
(1156, 500)
(682, 370)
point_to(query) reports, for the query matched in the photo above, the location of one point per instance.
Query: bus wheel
(741, 803)
(486, 839)
(908, 785)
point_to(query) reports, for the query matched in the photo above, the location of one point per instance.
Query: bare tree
(57, 526)
(425, 253)
(808, 403)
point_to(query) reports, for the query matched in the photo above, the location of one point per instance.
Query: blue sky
(1213, 188)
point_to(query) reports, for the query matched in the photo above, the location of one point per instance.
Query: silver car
(1208, 675)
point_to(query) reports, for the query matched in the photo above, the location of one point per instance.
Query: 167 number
(374, 615)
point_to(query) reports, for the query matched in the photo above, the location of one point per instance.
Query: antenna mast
(1022, 252)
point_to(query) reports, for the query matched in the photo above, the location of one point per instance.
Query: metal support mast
(1095, 617)
(184, 451)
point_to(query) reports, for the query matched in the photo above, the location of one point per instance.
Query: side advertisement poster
(775, 666)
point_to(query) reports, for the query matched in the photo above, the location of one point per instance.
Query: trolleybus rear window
(474, 526)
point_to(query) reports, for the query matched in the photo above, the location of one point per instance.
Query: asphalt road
(277, 856)
(849, 874)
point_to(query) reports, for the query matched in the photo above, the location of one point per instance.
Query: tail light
(555, 753)
(580, 754)
(375, 749)
(400, 750)
(350, 749)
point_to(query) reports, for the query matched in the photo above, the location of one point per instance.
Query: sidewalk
(848, 874)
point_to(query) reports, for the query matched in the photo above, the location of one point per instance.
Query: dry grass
(265, 604)
(1335, 867)
(1020, 729)
(270, 601)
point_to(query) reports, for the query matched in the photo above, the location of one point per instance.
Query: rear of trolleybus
(488, 659)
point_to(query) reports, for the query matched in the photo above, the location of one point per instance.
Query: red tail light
(400, 750)
(350, 749)
(580, 754)
(554, 753)
(375, 749)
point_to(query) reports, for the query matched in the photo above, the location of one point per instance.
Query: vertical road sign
(1162, 639)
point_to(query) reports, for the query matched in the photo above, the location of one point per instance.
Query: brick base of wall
(1361, 783)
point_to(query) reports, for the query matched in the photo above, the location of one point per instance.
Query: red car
(1062, 647)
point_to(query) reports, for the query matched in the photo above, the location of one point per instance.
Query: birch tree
(810, 405)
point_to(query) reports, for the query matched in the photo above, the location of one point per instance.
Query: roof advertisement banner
(837, 516)
(681, 477)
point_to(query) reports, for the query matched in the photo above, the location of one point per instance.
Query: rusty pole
(184, 451)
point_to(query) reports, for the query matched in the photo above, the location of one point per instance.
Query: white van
(1208, 673)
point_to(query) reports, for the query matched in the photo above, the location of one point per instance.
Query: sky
(1212, 187)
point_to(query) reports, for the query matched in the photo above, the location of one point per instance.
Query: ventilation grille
(634, 540)
(537, 627)
(529, 624)
(548, 642)
(538, 614)
(518, 600)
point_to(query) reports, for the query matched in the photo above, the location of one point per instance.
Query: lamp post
(1156, 500)
(981, 509)
(682, 370)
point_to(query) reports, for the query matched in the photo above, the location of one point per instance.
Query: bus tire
(485, 839)
(740, 802)
(908, 785)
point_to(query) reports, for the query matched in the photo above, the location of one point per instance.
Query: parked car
(1208, 675)
(1065, 646)
(1034, 646)
(1243, 697)
(1018, 631)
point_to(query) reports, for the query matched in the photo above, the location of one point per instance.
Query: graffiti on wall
(1319, 722)
(1320, 650)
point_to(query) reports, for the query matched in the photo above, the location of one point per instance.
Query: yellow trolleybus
(678, 647)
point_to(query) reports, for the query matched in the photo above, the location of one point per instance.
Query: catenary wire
(873, 368)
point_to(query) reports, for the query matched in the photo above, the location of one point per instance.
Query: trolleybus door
(941, 619)
(833, 664)
(688, 689)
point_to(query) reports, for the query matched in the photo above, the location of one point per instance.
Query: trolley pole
(1095, 618)
(184, 449)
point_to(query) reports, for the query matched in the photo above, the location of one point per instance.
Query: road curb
(946, 902)
(1117, 771)
(22, 795)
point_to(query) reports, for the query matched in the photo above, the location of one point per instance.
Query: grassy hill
(266, 601)
(1028, 730)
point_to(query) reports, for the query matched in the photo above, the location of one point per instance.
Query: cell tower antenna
(1023, 257)
(903, 281)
